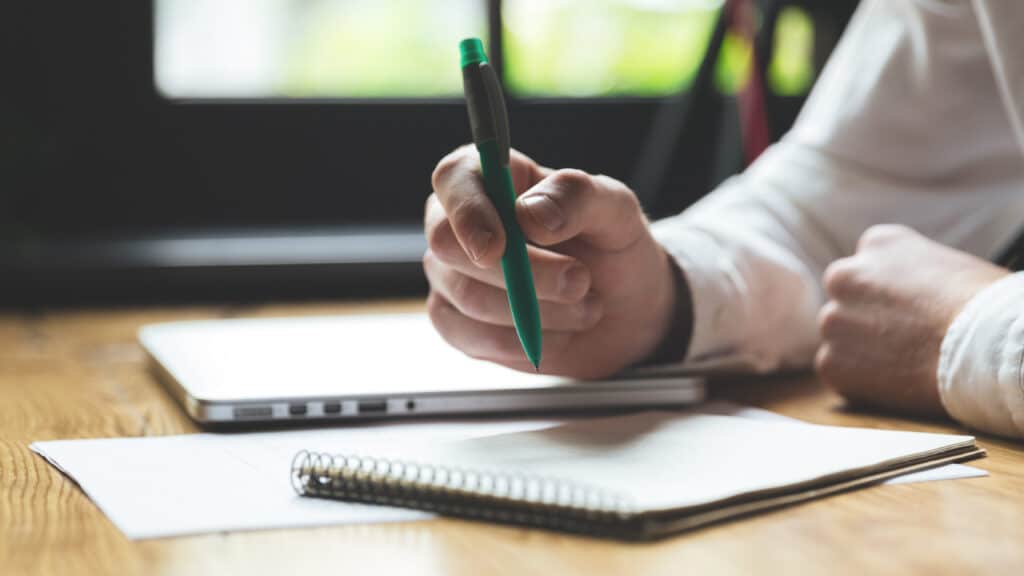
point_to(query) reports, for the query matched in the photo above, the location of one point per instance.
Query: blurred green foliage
(372, 48)
(602, 47)
(791, 71)
(638, 48)
(560, 48)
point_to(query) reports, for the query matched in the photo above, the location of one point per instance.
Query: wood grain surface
(80, 374)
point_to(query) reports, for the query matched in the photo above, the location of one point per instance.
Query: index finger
(459, 186)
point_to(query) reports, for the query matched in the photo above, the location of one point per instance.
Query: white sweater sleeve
(883, 138)
(981, 381)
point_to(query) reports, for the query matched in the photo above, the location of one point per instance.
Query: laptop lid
(364, 366)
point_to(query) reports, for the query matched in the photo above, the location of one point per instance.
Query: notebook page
(155, 487)
(662, 460)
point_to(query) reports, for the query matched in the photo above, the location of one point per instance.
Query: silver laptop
(366, 366)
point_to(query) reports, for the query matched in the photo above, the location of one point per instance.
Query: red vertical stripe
(753, 112)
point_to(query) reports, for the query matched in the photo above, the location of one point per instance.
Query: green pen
(488, 120)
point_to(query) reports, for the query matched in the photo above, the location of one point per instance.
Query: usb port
(297, 409)
(332, 407)
(243, 412)
(373, 406)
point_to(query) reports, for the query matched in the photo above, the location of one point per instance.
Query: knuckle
(831, 372)
(432, 211)
(880, 235)
(433, 268)
(619, 192)
(625, 200)
(435, 306)
(488, 345)
(449, 168)
(829, 319)
(441, 238)
(570, 182)
(474, 304)
(825, 363)
(839, 275)
(428, 260)
(444, 171)
(466, 294)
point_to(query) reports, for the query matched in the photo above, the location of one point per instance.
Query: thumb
(571, 203)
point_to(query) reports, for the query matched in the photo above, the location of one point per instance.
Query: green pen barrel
(515, 263)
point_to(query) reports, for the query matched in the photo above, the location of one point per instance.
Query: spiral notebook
(639, 477)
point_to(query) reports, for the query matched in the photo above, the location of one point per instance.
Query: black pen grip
(481, 116)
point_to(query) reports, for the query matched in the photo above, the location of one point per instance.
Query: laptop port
(246, 412)
(332, 407)
(373, 406)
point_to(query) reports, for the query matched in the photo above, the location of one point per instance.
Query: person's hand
(890, 306)
(605, 287)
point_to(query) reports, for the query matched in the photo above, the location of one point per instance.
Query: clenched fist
(890, 306)
(606, 288)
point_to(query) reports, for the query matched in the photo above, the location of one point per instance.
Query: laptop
(353, 367)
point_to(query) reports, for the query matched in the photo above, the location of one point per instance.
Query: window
(270, 118)
(604, 47)
(312, 48)
(407, 48)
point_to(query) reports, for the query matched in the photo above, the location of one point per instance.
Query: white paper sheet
(164, 486)
(947, 472)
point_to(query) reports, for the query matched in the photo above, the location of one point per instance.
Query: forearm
(873, 145)
(753, 285)
(754, 250)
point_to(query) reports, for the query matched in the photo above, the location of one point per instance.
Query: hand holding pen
(605, 288)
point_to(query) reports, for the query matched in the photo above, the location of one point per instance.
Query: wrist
(672, 346)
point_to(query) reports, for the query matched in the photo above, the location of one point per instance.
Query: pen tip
(533, 354)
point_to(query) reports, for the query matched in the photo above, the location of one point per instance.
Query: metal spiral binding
(501, 496)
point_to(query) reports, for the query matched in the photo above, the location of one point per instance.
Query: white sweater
(918, 119)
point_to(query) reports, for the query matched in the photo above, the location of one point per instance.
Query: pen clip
(496, 100)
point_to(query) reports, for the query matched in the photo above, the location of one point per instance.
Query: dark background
(96, 166)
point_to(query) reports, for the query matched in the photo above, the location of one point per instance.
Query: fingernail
(544, 210)
(575, 281)
(479, 242)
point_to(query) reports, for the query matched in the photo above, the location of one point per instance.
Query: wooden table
(80, 374)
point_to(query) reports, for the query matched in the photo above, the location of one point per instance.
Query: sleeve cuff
(980, 373)
(691, 252)
(728, 318)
